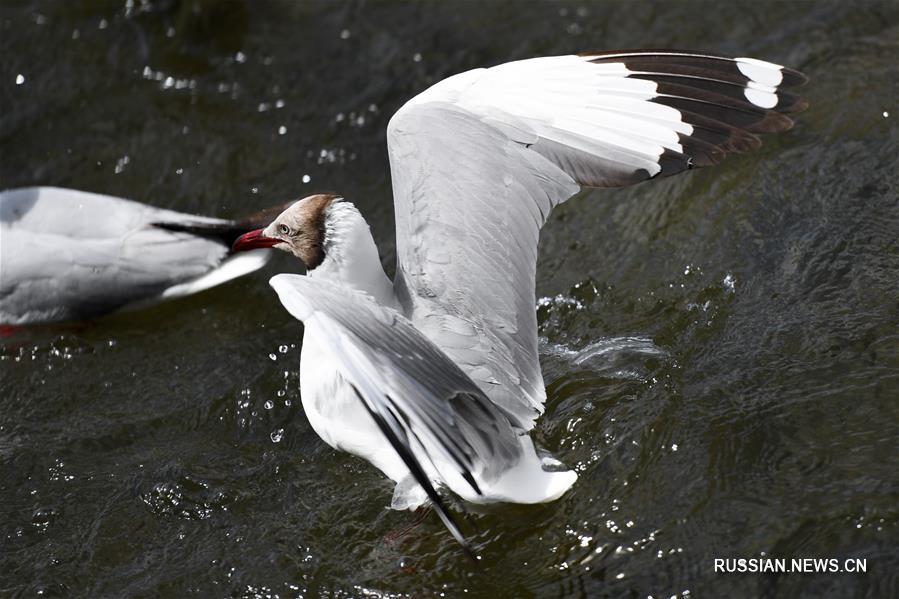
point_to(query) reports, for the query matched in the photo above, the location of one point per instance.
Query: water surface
(720, 349)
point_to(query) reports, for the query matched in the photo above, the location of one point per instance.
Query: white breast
(337, 415)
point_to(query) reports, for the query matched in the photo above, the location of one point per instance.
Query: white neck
(351, 256)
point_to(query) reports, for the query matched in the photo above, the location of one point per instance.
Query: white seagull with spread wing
(435, 377)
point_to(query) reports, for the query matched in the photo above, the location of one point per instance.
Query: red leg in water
(11, 330)
(8, 330)
(421, 513)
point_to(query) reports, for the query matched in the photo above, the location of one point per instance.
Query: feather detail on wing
(480, 159)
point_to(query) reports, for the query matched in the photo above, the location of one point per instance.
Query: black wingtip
(470, 480)
(792, 78)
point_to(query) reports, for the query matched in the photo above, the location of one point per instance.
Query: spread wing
(429, 410)
(480, 159)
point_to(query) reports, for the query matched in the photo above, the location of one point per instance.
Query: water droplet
(240, 57)
(282, 130)
(306, 178)
(345, 34)
(20, 79)
(729, 282)
(103, 24)
(886, 114)
(277, 435)
(272, 357)
(121, 163)
(283, 349)
(416, 57)
(269, 404)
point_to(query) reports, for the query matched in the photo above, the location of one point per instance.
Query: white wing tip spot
(760, 98)
(766, 73)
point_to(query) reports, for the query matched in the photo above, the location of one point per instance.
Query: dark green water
(754, 410)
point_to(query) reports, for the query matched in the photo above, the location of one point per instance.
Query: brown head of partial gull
(300, 230)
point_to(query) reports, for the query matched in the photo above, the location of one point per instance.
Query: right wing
(479, 160)
(428, 409)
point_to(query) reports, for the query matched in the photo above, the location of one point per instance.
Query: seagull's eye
(284, 229)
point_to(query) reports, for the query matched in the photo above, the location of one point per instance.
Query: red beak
(253, 241)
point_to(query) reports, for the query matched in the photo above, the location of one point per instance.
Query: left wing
(428, 409)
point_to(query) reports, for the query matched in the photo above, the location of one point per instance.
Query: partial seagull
(435, 377)
(68, 255)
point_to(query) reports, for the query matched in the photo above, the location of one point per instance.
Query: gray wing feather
(468, 219)
(81, 214)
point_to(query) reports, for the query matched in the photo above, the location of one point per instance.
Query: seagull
(435, 377)
(69, 255)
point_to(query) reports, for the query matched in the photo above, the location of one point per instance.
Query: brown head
(300, 230)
